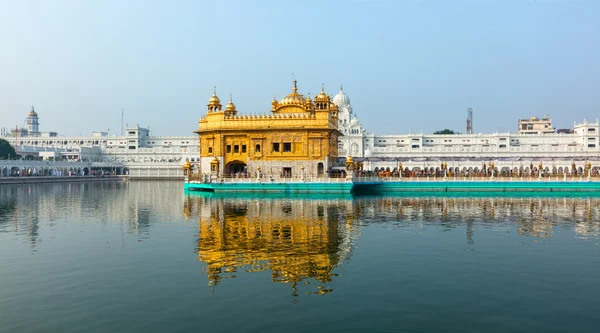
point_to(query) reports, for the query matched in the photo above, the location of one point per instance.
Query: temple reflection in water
(298, 241)
(305, 240)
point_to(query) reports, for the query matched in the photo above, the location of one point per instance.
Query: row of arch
(505, 170)
(26, 171)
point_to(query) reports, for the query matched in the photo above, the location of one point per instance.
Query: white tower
(352, 141)
(470, 121)
(32, 122)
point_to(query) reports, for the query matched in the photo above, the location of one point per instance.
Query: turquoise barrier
(272, 187)
(393, 187)
(476, 186)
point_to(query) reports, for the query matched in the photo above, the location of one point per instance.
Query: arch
(234, 167)
(320, 168)
(560, 170)
(4, 172)
(354, 149)
(86, 171)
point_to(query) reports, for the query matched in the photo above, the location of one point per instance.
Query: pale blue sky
(405, 64)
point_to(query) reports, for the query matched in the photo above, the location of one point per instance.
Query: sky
(406, 65)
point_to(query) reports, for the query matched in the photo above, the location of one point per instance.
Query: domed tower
(322, 100)
(291, 103)
(230, 109)
(32, 121)
(352, 142)
(214, 103)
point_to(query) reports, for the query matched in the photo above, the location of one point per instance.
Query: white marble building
(558, 152)
(141, 154)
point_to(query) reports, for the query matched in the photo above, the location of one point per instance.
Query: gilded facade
(299, 135)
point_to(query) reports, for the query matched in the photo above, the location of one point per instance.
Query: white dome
(341, 99)
(354, 121)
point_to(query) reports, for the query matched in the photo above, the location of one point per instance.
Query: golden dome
(321, 96)
(32, 113)
(230, 106)
(214, 100)
(294, 98)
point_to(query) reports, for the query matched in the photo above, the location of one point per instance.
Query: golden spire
(214, 99)
(321, 97)
(295, 89)
(230, 106)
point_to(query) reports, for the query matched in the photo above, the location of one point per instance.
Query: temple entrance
(286, 172)
(235, 169)
(320, 169)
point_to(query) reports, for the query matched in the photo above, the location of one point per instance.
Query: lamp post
(400, 169)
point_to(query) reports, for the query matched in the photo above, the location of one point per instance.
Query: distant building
(536, 125)
(564, 131)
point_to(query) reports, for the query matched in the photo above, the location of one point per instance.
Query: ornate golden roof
(322, 97)
(230, 106)
(214, 100)
(293, 99)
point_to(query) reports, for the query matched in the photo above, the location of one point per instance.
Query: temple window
(257, 148)
(243, 148)
(236, 149)
(276, 147)
(287, 147)
(210, 150)
(228, 148)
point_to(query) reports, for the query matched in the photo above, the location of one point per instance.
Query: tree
(445, 131)
(6, 150)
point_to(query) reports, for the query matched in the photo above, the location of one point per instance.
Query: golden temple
(299, 135)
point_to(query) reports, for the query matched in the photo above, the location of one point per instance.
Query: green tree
(6, 150)
(445, 131)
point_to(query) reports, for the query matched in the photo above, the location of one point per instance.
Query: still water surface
(144, 256)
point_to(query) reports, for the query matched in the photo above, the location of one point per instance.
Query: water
(144, 256)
